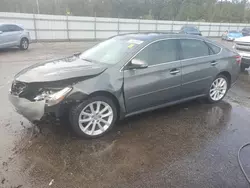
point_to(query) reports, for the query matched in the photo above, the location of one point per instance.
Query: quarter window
(159, 52)
(193, 48)
(4, 28)
(215, 49)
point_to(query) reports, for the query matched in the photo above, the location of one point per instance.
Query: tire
(82, 112)
(221, 90)
(24, 44)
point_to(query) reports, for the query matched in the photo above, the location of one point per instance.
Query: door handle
(213, 63)
(174, 71)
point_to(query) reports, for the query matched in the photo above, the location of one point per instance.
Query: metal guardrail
(139, 23)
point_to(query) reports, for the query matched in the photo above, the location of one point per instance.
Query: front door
(198, 66)
(157, 84)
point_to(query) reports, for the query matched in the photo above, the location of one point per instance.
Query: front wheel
(93, 117)
(24, 44)
(218, 89)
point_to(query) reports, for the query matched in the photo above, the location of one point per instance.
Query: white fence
(56, 27)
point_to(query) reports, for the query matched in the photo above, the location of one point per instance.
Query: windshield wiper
(85, 59)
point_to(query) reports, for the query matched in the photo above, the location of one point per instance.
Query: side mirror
(137, 64)
(1, 32)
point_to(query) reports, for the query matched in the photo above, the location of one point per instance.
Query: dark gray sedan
(123, 76)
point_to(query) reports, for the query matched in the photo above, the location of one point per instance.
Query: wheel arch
(227, 75)
(111, 96)
(24, 37)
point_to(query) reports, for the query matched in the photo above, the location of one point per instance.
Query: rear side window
(215, 49)
(159, 52)
(192, 48)
(4, 28)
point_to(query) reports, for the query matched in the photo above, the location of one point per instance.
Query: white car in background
(242, 46)
(12, 35)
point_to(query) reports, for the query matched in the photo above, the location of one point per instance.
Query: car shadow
(50, 126)
(150, 142)
(9, 50)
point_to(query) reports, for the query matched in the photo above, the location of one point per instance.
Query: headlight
(57, 97)
(54, 98)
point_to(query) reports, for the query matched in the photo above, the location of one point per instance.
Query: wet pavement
(188, 145)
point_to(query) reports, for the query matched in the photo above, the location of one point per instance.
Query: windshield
(233, 32)
(110, 51)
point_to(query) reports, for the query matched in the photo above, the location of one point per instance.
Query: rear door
(157, 84)
(14, 34)
(199, 66)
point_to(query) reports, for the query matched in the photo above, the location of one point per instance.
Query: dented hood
(61, 69)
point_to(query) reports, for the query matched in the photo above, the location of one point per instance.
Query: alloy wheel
(218, 89)
(25, 44)
(96, 118)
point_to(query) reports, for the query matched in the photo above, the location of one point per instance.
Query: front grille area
(18, 87)
(244, 46)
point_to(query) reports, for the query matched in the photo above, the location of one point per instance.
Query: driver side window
(159, 52)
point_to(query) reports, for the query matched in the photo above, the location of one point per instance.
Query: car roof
(11, 24)
(149, 37)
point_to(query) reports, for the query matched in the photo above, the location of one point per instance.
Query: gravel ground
(188, 145)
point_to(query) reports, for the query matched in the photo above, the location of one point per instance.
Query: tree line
(182, 10)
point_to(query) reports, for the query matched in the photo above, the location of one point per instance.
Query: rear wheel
(93, 117)
(24, 44)
(218, 89)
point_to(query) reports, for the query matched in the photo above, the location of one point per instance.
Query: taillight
(238, 59)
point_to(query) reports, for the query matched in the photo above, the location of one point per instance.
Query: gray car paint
(151, 86)
(139, 90)
(60, 69)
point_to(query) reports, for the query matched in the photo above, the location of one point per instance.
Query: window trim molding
(122, 68)
(207, 42)
(163, 62)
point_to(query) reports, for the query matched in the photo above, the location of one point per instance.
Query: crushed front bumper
(33, 111)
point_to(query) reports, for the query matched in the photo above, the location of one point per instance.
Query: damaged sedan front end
(34, 102)
(42, 88)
